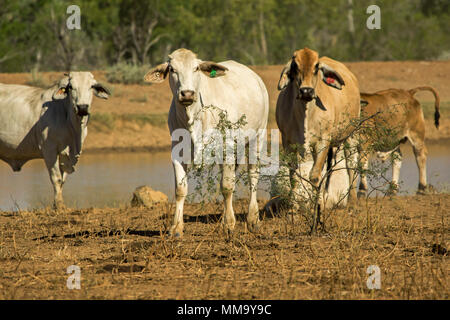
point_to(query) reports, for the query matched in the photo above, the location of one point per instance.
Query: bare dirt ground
(134, 118)
(125, 254)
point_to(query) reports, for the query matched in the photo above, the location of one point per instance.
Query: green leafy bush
(126, 73)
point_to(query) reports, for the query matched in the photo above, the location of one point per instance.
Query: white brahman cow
(49, 123)
(228, 86)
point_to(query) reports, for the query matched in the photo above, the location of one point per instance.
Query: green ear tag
(213, 73)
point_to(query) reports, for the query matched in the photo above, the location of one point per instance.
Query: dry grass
(125, 254)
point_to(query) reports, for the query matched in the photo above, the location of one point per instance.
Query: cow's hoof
(229, 235)
(428, 189)
(362, 194)
(228, 230)
(176, 232)
(254, 227)
(59, 206)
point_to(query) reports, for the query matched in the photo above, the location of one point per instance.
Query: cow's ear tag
(332, 82)
(213, 73)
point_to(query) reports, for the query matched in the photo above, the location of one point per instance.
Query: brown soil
(155, 100)
(125, 254)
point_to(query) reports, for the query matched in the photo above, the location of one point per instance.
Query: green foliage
(126, 73)
(33, 33)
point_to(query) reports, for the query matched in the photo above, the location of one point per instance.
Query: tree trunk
(262, 36)
(351, 24)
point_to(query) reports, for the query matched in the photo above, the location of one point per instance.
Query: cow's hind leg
(181, 190)
(420, 152)
(52, 163)
(363, 185)
(253, 210)
(364, 163)
(396, 165)
(227, 185)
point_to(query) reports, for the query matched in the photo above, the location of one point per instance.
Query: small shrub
(104, 120)
(126, 73)
(156, 120)
(140, 99)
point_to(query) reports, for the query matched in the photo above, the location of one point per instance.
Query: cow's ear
(331, 77)
(287, 74)
(62, 88)
(101, 91)
(157, 74)
(60, 93)
(212, 69)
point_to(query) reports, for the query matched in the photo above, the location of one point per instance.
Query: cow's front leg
(396, 165)
(320, 153)
(181, 190)
(253, 209)
(227, 185)
(52, 163)
(64, 175)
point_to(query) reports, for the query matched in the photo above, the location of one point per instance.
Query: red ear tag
(330, 80)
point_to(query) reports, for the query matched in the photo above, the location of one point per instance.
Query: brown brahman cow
(319, 98)
(397, 113)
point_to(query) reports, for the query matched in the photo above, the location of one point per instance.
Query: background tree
(33, 33)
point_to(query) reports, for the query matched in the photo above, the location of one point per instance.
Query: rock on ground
(146, 197)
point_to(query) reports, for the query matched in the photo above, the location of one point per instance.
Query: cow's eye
(171, 69)
(197, 68)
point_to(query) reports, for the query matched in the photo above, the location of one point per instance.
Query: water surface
(108, 180)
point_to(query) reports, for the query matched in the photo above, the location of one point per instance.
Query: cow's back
(392, 109)
(240, 91)
(19, 113)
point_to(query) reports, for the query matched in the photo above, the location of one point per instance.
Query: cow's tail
(436, 101)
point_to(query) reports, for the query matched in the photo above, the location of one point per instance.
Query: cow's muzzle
(306, 93)
(82, 110)
(186, 97)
